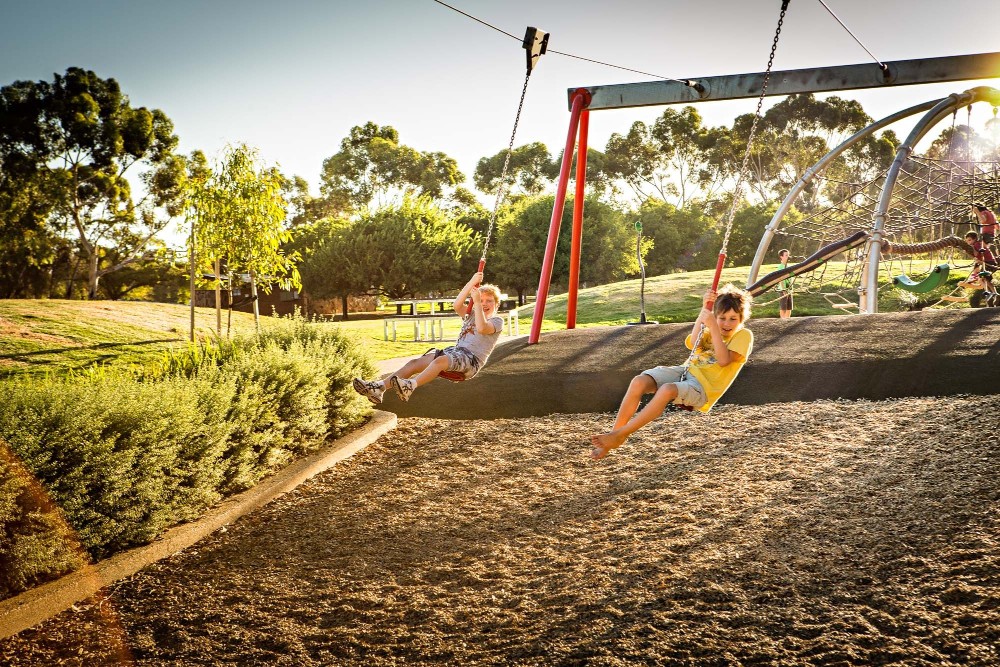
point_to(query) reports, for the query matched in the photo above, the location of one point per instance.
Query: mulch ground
(828, 533)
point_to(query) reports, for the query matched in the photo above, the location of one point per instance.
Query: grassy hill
(57, 336)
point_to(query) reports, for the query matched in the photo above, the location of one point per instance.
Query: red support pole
(575, 248)
(580, 97)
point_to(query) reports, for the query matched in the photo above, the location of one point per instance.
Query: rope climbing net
(929, 213)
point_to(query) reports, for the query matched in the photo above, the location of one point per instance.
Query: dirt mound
(890, 355)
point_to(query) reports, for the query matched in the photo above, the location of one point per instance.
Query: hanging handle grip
(482, 265)
(718, 274)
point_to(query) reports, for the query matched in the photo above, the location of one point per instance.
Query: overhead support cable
(687, 82)
(882, 65)
(488, 25)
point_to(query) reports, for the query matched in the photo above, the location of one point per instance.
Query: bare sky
(293, 77)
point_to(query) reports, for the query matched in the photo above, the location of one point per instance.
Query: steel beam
(787, 82)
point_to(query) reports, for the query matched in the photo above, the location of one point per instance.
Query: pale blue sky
(292, 77)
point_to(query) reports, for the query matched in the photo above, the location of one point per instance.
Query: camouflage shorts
(460, 360)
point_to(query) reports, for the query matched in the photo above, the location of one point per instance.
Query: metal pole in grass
(191, 269)
(642, 270)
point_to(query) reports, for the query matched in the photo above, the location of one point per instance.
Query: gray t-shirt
(478, 344)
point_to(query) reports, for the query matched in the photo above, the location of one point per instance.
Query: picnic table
(411, 307)
(427, 316)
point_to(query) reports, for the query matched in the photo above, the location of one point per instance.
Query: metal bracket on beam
(787, 82)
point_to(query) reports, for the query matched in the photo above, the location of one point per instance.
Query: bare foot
(604, 443)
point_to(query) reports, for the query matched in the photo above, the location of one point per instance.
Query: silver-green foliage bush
(126, 455)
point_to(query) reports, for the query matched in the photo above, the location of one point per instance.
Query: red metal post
(575, 248)
(579, 98)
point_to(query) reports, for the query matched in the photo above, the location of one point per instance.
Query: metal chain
(743, 168)
(738, 193)
(503, 172)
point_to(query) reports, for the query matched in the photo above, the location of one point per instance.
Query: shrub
(36, 543)
(125, 455)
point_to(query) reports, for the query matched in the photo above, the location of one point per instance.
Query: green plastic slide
(934, 279)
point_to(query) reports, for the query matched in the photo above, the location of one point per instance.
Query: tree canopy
(238, 213)
(606, 254)
(77, 137)
(372, 166)
(530, 170)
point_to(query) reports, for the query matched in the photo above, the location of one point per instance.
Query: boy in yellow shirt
(714, 363)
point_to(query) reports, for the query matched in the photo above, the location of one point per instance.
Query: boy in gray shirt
(481, 328)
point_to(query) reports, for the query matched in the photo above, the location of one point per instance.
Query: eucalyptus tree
(29, 246)
(668, 160)
(529, 170)
(684, 142)
(791, 137)
(84, 134)
(303, 208)
(635, 159)
(372, 169)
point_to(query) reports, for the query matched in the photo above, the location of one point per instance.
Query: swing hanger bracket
(535, 44)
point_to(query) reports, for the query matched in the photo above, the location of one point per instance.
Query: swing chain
(738, 192)
(503, 172)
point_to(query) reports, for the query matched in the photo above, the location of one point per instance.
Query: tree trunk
(92, 276)
(218, 299)
(343, 301)
(256, 306)
(191, 265)
(72, 278)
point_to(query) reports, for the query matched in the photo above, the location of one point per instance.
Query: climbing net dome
(905, 220)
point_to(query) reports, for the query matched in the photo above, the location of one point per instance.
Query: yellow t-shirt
(715, 379)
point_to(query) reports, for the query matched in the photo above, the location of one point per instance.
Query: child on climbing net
(481, 328)
(717, 358)
(986, 221)
(982, 270)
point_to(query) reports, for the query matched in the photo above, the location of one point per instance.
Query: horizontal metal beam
(787, 82)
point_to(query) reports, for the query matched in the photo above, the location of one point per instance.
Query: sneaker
(403, 387)
(371, 390)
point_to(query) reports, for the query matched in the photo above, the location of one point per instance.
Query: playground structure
(914, 208)
(849, 77)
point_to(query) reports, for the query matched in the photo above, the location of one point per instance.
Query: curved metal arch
(938, 110)
(868, 302)
(811, 172)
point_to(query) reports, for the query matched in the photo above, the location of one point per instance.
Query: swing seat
(935, 279)
(452, 376)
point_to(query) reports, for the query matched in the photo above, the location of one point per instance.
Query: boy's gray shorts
(460, 360)
(689, 390)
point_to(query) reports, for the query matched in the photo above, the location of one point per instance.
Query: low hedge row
(105, 460)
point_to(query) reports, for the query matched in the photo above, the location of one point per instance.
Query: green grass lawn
(60, 336)
(56, 336)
